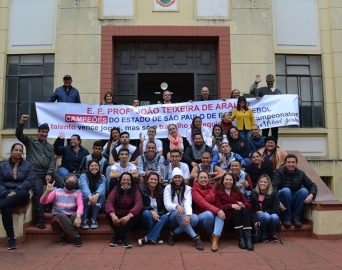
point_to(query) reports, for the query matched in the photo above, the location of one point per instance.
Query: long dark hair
(230, 139)
(220, 186)
(193, 131)
(120, 191)
(241, 98)
(157, 193)
(94, 180)
(173, 190)
(110, 141)
(104, 98)
(217, 125)
(14, 145)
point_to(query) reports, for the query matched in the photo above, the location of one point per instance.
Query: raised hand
(49, 186)
(61, 135)
(258, 78)
(24, 118)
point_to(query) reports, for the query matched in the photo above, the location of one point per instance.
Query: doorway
(181, 85)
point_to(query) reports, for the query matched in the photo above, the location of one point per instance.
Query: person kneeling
(178, 201)
(67, 208)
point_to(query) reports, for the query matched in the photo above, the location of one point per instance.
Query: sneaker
(127, 243)
(160, 240)
(93, 224)
(142, 241)
(85, 225)
(114, 242)
(264, 239)
(41, 225)
(78, 241)
(64, 240)
(11, 243)
(273, 238)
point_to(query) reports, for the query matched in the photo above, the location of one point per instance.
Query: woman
(214, 172)
(236, 207)
(238, 144)
(108, 99)
(226, 122)
(16, 179)
(235, 93)
(72, 155)
(178, 202)
(211, 218)
(244, 118)
(271, 154)
(93, 187)
(123, 207)
(174, 141)
(194, 152)
(67, 208)
(217, 137)
(242, 179)
(114, 140)
(154, 212)
(265, 208)
(258, 168)
(196, 127)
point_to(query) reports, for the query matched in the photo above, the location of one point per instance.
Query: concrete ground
(296, 253)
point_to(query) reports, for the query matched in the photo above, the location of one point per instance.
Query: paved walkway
(296, 253)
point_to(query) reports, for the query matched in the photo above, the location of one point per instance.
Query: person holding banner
(108, 99)
(66, 93)
(196, 127)
(262, 91)
(235, 93)
(166, 97)
(238, 144)
(194, 152)
(244, 118)
(174, 141)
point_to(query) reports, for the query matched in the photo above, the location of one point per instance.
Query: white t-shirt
(158, 143)
(130, 167)
(154, 204)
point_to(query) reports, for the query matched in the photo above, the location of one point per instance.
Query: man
(256, 141)
(262, 91)
(224, 158)
(42, 157)
(120, 167)
(66, 93)
(136, 103)
(97, 154)
(149, 162)
(176, 157)
(205, 94)
(166, 97)
(294, 189)
(124, 143)
(151, 136)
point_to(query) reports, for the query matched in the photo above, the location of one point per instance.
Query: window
(302, 75)
(29, 79)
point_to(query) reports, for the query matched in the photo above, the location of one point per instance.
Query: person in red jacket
(211, 218)
(236, 207)
(123, 206)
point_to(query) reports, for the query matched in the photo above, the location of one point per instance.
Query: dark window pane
(24, 89)
(11, 115)
(315, 65)
(11, 88)
(23, 108)
(292, 86)
(47, 88)
(280, 64)
(305, 91)
(31, 70)
(36, 89)
(297, 60)
(306, 110)
(31, 59)
(281, 83)
(317, 88)
(49, 68)
(33, 116)
(318, 114)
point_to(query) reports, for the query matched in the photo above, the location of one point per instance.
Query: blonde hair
(269, 187)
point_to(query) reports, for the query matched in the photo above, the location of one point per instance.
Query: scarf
(175, 143)
(198, 150)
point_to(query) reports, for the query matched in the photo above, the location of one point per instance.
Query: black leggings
(6, 206)
(241, 218)
(274, 132)
(121, 231)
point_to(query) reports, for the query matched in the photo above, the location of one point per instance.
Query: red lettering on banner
(95, 119)
(118, 110)
(221, 106)
(175, 109)
(89, 111)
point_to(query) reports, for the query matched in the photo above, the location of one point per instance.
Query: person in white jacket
(196, 127)
(178, 202)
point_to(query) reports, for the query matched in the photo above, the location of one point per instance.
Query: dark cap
(67, 77)
(270, 138)
(270, 76)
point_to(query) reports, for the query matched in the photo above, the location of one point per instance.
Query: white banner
(92, 121)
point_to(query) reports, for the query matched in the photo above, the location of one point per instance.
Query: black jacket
(145, 193)
(189, 155)
(270, 204)
(240, 146)
(254, 172)
(294, 182)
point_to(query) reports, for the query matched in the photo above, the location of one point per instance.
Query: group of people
(208, 180)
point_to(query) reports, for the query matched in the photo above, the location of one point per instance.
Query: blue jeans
(267, 220)
(245, 133)
(154, 227)
(94, 209)
(210, 223)
(293, 201)
(107, 177)
(175, 224)
(63, 172)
